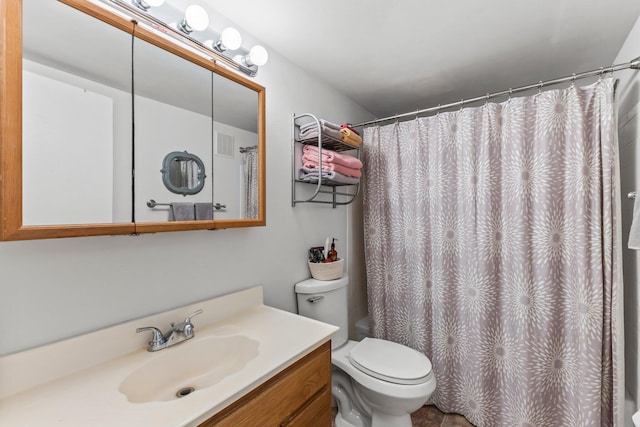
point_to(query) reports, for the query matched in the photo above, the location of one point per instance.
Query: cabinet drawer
(283, 396)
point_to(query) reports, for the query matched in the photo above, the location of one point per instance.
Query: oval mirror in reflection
(183, 173)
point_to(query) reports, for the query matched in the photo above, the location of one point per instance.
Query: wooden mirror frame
(11, 227)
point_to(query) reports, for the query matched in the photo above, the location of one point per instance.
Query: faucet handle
(188, 326)
(195, 313)
(157, 339)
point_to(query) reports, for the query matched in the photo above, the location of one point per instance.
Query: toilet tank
(326, 301)
(362, 329)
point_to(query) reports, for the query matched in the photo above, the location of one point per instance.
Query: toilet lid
(389, 361)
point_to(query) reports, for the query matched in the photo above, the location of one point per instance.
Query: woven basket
(326, 270)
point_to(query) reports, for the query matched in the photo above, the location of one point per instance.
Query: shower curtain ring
(540, 84)
(461, 104)
(486, 101)
(510, 93)
(438, 110)
(573, 80)
(601, 73)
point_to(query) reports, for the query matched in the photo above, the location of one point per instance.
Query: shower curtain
(492, 247)
(250, 182)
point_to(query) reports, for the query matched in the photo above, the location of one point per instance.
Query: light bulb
(196, 17)
(258, 55)
(230, 38)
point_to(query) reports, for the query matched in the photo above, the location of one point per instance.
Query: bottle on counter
(333, 254)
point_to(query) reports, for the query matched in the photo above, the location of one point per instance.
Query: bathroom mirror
(235, 175)
(89, 61)
(65, 120)
(183, 173)
(173, 104)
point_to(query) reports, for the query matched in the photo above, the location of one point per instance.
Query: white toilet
(376, 383)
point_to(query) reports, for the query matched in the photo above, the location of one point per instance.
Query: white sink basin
(198, 363)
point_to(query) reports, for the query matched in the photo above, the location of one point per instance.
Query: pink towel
(328, 166)
(333, 157)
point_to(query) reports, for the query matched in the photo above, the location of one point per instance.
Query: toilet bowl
(375, 383)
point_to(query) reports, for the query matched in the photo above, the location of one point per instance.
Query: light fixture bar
(141, 4)
(135, 13)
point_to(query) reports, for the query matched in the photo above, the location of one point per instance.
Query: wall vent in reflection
(224, 145)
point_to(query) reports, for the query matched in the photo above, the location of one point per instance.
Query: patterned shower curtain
(491, 246)
(250, 182)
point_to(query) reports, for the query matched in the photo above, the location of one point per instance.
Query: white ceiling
(394, 57)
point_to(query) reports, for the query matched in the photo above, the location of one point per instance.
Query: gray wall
(628, 123)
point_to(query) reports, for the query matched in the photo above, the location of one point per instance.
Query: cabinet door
(280, 399)
(316, 414)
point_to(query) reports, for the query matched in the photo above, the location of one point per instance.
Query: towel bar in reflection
(152, 204)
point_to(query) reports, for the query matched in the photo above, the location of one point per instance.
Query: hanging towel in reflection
(634, 233)
(181, 212)
(204, 211)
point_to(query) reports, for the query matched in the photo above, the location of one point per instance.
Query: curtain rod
(246, 149)
(633, 64)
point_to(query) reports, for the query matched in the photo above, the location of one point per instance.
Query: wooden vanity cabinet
(300, 395)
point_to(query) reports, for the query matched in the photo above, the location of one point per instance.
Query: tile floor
(430, 416)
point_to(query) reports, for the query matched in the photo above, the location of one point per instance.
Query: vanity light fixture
(147, 4)
(257, 56)
(230, 39)
(195, 19)
(227, 50)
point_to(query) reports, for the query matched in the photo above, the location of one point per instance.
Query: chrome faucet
(178, 333)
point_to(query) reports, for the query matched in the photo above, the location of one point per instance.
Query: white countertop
(91, 396)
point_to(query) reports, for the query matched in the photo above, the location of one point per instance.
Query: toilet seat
(390, 361)
(340, 360)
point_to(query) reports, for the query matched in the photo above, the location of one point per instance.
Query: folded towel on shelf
(328, 166)
(323, 123)
(350, 138)
(297, 155)
(313, 174)
(181, 212)
(348, 126)
(313, 133)
(331, 177)
(350, 142)
(310, 130)
(311, 152)
(203, 211)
